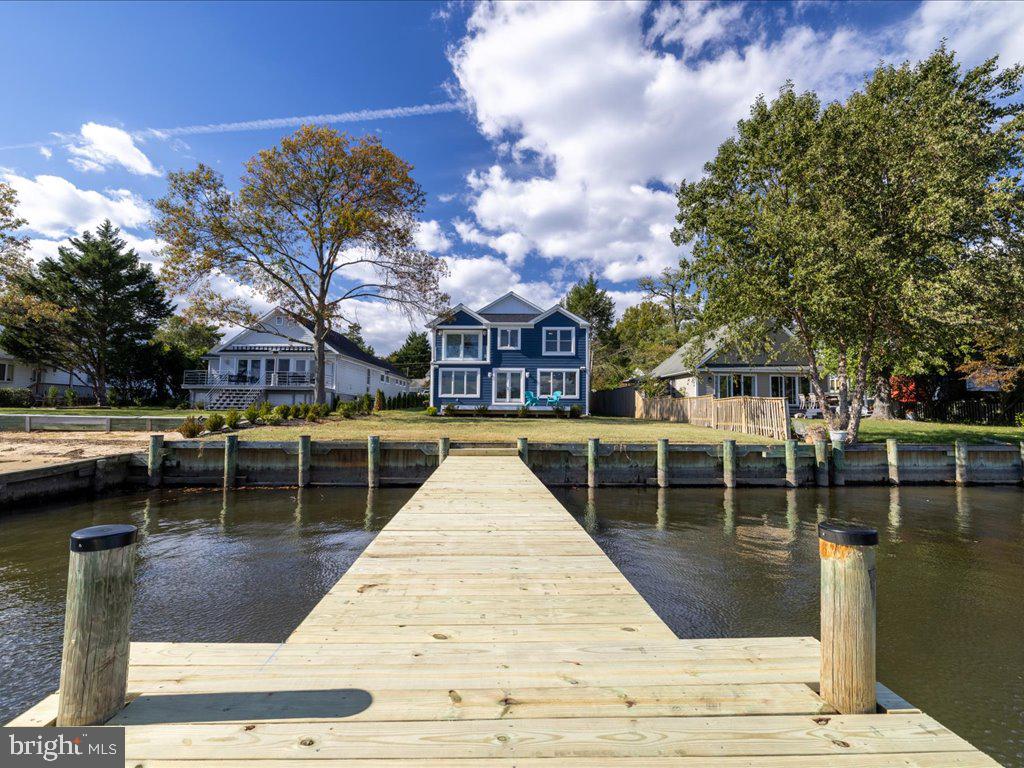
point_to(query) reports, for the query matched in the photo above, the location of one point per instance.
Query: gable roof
(706, 353)
(511, 303)
(529, 313)
(343, 345)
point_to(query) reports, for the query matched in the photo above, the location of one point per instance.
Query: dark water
(248, 570)
(712, 563)
(715, 563)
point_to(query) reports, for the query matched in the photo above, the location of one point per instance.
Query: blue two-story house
(509, 354)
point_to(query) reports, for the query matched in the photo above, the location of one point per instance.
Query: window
(508, 386)
(790, 387)
(559, 341)
(734, 385)
(463, 346)
(508, 338)
(6, 372)
(457, 383)
(279, 321)
(566, 382)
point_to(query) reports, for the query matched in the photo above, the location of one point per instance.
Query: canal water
(249, 566)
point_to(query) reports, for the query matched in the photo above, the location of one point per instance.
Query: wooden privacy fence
(620, 401)
(764, 416)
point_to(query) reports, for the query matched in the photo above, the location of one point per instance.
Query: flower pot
(837, 435)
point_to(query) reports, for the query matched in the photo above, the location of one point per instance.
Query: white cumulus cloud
(98, 147)
(431, 238)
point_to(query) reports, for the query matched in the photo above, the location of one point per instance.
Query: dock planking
(484, 627)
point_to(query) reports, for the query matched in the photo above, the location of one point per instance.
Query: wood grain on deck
(484, 627)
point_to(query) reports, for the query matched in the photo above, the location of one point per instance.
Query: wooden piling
(892, 454)
(154, 465)
(305, 459)
(593, 445)
(662, 468)
(373, 461)
(523, 447)
(820, 464)
(94, 663)
(791, 477)
(230, 460)
(838, 464)
(962, 467)
(848, 591)
(443, 446)
(729, 463)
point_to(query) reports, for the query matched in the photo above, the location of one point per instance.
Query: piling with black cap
(94, 664)
(848, 587)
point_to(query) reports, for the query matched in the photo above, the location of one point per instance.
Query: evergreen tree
(591, 302)
(105, 305)
(355, 335)
(413, 357)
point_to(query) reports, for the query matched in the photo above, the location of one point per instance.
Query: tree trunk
(320, 394)
(99, 387)
(883, 399)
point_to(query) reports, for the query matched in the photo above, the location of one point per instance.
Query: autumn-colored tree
(13, 247)
(318, 220)
(670, 288)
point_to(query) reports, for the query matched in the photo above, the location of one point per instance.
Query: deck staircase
(239, 398)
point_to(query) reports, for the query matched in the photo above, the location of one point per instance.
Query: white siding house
(15, 374)
(275, 363)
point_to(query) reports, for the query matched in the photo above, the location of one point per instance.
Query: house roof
(529, 315)
(509, 317)
(676, 365)
(712, 353)
(343, 345)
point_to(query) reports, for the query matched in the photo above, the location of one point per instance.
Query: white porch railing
(289, 379)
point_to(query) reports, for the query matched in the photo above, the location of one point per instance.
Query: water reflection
(718, 562)
(214, 566)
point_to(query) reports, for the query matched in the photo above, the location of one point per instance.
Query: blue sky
(547, 137)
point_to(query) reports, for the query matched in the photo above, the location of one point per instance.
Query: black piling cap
(101, 537)
(847, 534)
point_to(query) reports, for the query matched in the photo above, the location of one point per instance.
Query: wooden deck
(484, 627)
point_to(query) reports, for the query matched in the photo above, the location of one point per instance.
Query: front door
(508, 386)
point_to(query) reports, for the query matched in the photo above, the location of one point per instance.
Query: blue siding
(529, 357)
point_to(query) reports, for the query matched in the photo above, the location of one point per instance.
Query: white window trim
(543, 345)
(494, 386)
(519, 338)
(440, 391)
(484, 345)
(8, 371)
(560, 370)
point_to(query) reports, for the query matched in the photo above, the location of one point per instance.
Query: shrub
(232, 419)
(70, 399)
(449, 409)
(273, 420)
(366, 403)
(200, 406)
(378, 401)
(480, 410)
(251, 413)
(15, 398)
(266, 408)
(523, 411)
(431, 410)
(295, 412)
(52, 396)
(575, 411)
(347, 410)
(559, 411)
(1020, 420)
(283, 411)
(214, 422)
(190, 427)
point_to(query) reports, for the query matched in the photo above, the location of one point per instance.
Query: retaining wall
(52, 422)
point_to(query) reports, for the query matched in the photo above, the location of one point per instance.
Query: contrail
(290, 122)
(359, 115)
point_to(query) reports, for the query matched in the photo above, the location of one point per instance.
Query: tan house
(723, 372)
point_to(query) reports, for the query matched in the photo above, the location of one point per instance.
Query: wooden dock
(484, 627)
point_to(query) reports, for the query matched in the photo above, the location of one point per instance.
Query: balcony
(284, 380)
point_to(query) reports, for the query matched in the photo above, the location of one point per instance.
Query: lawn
(872, 431)
(415, 425)
(96, 411)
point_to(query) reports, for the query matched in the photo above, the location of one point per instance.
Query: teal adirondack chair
(555, 398)
(531, 399)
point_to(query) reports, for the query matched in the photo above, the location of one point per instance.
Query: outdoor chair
(555, 397)
(531, 399)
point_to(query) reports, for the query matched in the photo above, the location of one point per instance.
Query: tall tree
(670, 289)
(13, 247)
(105, 303)
(591, 302)
(857, 226)
(318, 220)
(646, 335)
(355, 334)
(413, 357)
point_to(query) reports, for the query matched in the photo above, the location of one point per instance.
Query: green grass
(872, 431)
(416, 425)
(96, 411)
